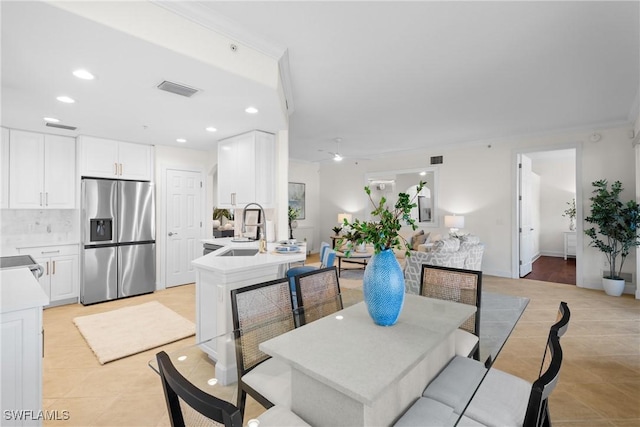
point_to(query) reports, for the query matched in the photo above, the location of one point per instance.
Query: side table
(570, 243)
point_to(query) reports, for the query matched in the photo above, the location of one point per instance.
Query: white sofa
(462, 252)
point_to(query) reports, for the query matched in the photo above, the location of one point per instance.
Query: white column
(282, 185)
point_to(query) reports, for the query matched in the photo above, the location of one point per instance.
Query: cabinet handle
(233, 198)
(116, 165)
(47, 268)
(50, 252)
(40, 199)
(120, 169)
(43, 343)
(46, 198)
(54, 267)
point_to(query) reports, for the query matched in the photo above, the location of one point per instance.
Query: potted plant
(337, 230)
(351, 237)
(220, 215)
(383, 282)
(293, 214)
(615, 232)
(571, 213)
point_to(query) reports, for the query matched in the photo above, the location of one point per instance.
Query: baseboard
(554, 254)
(498, 273)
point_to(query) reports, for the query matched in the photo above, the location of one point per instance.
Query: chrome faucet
(260, 225)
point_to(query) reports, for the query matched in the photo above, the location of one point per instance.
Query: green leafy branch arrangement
(383, 233)
(571, 210)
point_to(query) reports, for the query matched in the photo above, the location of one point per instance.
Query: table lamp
(454, 223)
(343, 216)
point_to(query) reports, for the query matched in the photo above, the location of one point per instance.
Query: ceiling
(383, 76)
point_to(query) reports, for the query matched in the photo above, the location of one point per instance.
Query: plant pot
(383, 288)
(613, 287)
(361, 248)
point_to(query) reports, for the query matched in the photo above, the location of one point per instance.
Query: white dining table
(348, 371)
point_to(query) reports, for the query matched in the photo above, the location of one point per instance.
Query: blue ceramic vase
(383, 287)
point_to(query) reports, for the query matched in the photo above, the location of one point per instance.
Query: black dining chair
(261, 312)
(503, 399)
(318, 294)
(202, 408)
(459, 285)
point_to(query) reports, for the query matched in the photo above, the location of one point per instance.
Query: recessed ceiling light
(51, 120)
(211, 129)
(66, 99)
(423, 173)
(83, 74)
(181, 140)
(251, 110)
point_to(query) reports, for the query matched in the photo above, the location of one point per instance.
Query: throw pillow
(448, 245)
(471, 239)
(414, 236)
(419, 239)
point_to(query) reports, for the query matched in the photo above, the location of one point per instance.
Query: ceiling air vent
(436, 160)
(65, 127)
(177, 88)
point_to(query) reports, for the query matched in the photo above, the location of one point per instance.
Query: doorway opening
(548, 222)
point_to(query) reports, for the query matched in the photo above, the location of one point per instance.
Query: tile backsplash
(24, 227)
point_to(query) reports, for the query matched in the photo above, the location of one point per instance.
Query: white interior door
(184, 225)
(525, 217)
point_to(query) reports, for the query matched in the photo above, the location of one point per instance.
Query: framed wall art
(297, 198)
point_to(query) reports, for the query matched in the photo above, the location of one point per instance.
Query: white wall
(308, 174)
(557, 187)
(183, 159)
(478, 180)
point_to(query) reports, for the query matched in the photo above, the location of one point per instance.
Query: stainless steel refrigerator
(118, 235)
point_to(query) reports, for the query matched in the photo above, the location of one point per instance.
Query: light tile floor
(599, 384)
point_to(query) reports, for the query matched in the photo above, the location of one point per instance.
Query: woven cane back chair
(318, 294)
(202, 407)
(458, 285)
(261, 312)
(503, 399)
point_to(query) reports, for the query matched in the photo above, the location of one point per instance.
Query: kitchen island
(217, 274)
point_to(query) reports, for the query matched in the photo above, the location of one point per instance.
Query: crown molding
(285, 78)
(201, 14)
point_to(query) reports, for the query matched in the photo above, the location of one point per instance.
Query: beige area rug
(130, 330)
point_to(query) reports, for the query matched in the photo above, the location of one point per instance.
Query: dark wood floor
(554, 269)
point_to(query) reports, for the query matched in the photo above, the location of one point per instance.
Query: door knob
(172, 233)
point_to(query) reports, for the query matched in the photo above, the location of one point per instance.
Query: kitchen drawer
(48, 251)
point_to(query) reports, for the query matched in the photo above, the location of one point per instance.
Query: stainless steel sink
(240, 252)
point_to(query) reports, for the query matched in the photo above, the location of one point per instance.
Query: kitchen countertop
(232, 264)
(19, 290)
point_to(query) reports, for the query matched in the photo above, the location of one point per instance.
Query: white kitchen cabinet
(60, 280)
(21, 347)
(107, 158)
(4, 168)
(246, 170)
(42, 171)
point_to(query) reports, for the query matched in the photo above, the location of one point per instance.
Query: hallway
(553, 269)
